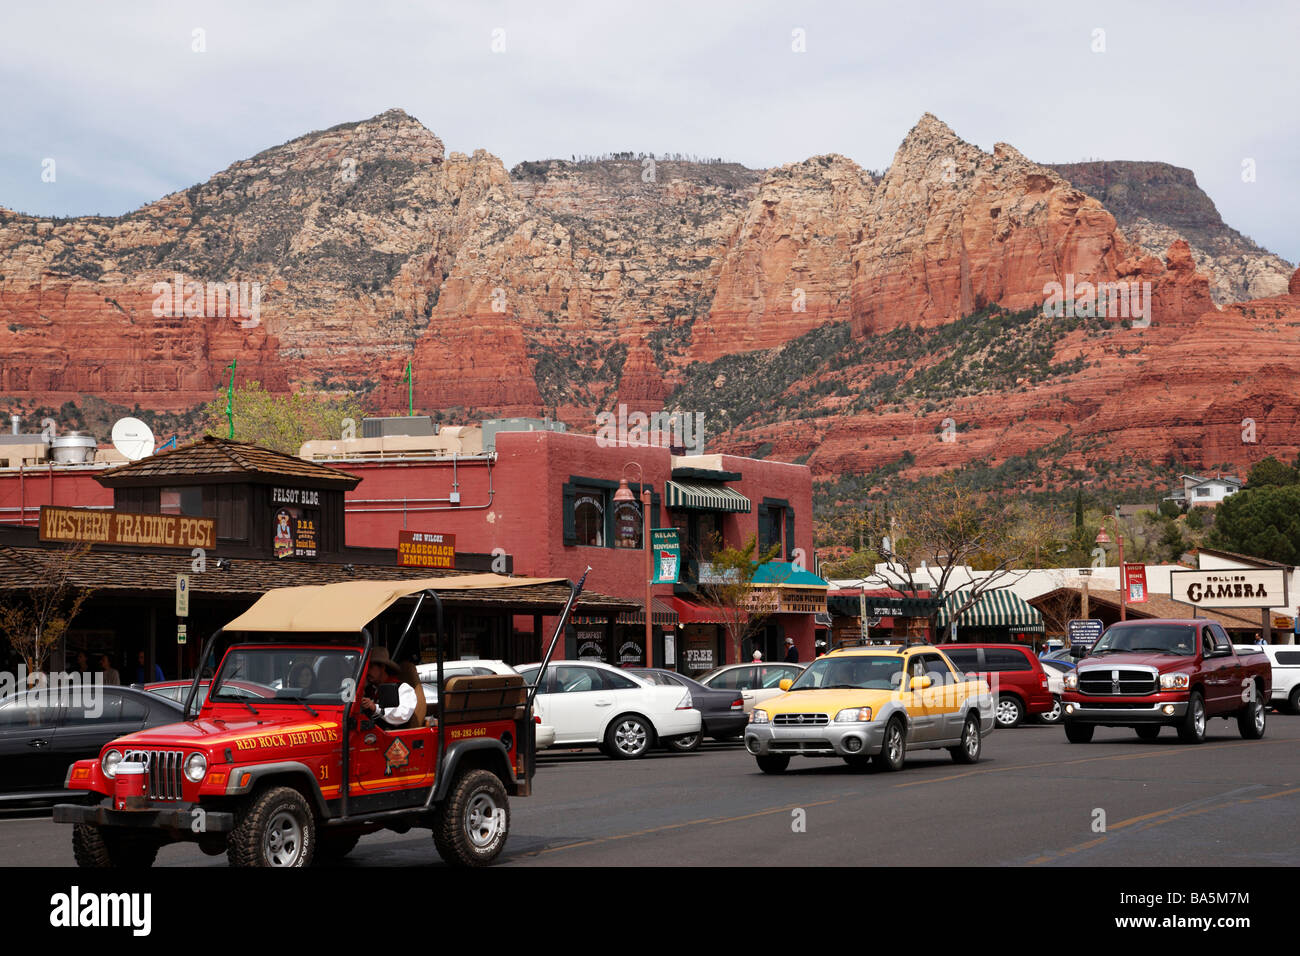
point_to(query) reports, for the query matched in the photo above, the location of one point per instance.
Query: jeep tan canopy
(349, 606)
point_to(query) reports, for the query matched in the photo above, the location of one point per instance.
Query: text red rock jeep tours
(1150, 674)
(259, 772)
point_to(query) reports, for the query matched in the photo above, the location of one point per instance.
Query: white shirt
(399, 715)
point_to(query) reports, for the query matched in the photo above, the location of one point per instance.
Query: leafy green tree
(281, 422)
(1195, 518)
(1270, 471)
(730, 589)
(1169, 509)
(1263, 522)
(35, 619)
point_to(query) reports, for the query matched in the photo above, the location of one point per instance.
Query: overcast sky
(115, 94)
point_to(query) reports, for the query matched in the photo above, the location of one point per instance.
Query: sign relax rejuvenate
(81, 525)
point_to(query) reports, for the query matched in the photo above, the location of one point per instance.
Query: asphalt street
(1032, 800)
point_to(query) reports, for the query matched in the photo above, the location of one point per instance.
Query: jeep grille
(165, 769)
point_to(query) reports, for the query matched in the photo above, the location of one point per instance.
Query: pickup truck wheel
(968, 751)
(95, 847)
(1250, 720)
(1192, 729)
(1148, 731)
(1009, 711)
(470, 827)
(276, 830)
(893, 749)
(1077, 733)
(773, 763)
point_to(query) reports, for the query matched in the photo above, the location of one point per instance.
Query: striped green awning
(705, 497)
(996, 608)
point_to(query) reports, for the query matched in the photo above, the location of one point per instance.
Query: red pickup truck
(1150, 674)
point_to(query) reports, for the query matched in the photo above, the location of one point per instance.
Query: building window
(181, 501)
(589, 518)
(1202, 492)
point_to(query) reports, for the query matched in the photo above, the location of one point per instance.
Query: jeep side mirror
(1077, 651)
(921, 683)
(387, 695)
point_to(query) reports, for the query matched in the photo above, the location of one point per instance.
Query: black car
(722, 711)
(43, 732)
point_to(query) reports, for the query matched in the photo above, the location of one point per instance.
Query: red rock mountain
(567, 286)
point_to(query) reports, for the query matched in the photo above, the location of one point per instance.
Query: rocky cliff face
(1156, 204)
(567, 287)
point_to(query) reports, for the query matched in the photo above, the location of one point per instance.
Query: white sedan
(545, 734)
(591, 704)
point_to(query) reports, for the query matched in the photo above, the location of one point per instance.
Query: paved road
(1032, 800)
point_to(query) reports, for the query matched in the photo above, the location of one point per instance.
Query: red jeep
(1149, 674)
(280, 766)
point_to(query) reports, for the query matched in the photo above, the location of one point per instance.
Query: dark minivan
(1021, 682)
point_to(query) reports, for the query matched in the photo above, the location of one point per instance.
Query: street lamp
(1103, 539)
(624, 494)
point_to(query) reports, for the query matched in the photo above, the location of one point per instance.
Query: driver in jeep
(382, 670)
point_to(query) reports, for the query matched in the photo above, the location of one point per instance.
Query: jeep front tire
(96, 847)
(276, 830)
(470, 827)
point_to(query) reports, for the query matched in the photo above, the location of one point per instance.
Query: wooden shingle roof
(137, 572)
(219, 457)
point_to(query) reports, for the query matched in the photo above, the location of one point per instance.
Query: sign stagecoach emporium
(93, 526)
(1230, 587)
(425, 549)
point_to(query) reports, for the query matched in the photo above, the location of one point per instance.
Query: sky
(122, 100)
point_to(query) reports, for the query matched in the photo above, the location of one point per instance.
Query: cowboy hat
(380, 656)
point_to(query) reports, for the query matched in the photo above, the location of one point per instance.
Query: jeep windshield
(1177, 639)
(858, 672)
(294, 674)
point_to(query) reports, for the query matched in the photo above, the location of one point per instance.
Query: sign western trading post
(82, 525)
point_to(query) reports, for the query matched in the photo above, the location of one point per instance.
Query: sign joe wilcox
(1230, 587)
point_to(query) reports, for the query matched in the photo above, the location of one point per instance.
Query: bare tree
(35, 619)
(946, 527)
(729, 590)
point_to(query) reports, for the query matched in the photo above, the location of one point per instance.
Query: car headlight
(1174, 681)
(109, 763)
(758, 717)
(196, 768)
(853, 715)
(1071, 681)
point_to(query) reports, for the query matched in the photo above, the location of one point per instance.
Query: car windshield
(868, 673)
(314, 675)
(1177, 639)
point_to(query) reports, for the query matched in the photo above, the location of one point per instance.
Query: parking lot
(1033, 799)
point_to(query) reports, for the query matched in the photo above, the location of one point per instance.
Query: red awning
(688, 612)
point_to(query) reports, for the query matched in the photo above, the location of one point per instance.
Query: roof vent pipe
(14, 420)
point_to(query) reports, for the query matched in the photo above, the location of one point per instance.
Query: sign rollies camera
(1230, 587)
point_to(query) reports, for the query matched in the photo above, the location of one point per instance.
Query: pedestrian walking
(791, 652)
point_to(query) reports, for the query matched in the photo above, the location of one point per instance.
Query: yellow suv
(873, 703)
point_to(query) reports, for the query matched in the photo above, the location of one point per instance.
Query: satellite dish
(132, 438)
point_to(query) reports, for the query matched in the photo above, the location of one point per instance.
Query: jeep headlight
(758, 717)
(1071, 681)
(109, 763)
(1174, 681)
(853, 715)
(196, 768)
